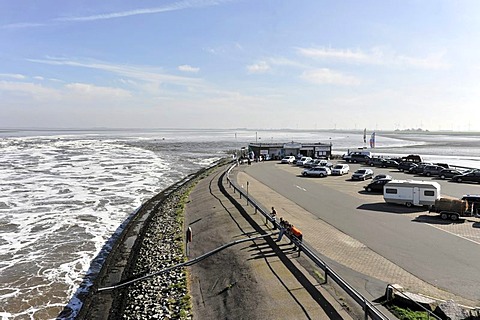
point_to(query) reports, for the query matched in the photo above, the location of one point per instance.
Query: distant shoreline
(356, 131)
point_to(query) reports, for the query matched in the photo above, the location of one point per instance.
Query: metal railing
(368, 307)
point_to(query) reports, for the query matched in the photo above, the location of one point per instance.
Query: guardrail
(367, 306)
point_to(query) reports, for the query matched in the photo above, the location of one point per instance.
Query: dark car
(404, 166)
(374, 162)
(432, 170)
(473, 202)
(473, 176)
(362, 158)
(419, 168)
(377, 185)
(382, 176)
(388, 163)
(362, 174)
(448, 173)
(412, 158)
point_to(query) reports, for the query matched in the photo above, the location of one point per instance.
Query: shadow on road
(435, 220)
(390, 208)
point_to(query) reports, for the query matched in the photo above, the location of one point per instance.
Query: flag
(372, 140)
(365, 135)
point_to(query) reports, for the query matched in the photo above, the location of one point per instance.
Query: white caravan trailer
(411, 192)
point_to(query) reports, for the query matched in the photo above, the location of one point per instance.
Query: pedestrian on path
(283, 228)
(274, 218)
(297, 234)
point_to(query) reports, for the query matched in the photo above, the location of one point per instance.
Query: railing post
(365, 307)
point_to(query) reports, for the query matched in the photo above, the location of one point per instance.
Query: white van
(340, 169)
(411, 192)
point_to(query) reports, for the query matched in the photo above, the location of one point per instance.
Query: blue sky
(240, 63)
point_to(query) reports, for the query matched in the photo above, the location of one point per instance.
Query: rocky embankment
(152, 242)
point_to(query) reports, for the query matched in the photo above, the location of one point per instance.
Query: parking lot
(420, 242)
(467, 228)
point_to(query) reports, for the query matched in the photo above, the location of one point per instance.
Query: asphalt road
(444, 254)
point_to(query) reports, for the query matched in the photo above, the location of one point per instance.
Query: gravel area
(165, 295)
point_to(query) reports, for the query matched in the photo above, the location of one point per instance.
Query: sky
(255, 64)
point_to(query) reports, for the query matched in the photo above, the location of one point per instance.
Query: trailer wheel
(444, 215)
(454, 217)
(408, 204)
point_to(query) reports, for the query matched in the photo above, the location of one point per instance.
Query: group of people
(285, 227)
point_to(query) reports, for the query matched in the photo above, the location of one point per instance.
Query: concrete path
(258, 279)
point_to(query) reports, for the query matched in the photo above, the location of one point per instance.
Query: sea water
(63, 193)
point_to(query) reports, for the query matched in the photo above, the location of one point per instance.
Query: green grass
(407, 314)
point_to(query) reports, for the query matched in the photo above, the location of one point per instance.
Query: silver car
(317, 172)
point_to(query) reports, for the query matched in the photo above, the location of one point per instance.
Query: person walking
(274, 218)
(282, 229)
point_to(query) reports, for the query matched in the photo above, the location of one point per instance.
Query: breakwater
(152, 240)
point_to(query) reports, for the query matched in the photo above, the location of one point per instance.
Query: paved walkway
(342, 249)
(258, 279)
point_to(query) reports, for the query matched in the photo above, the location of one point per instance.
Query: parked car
(303, 160)
(316, 172)
(444, 165)
(449, 173)
(358, 157)
(310, 164)
(361, 154)
(377, 162)
(404, 166)
(432, 170)
(412, 158)
(388, 163)
(340, 169)
(472, 176)
(473, 199)
(419, 168)
(382, 176)
(362, 174)
(377, 185)
(288, 159)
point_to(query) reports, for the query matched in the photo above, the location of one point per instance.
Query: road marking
(303, 189)
(454, 234)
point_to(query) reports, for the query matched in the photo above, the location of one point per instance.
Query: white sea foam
(62, 198)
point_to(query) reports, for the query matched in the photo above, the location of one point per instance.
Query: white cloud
(13, 76)
(22, 25)
(329, 53)
(327, 76)
(179, 5)
(175, 6)
(92, 91)
(188, 68)
(260, 67)
(33, 90)
(376, 56)
(140, 73)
